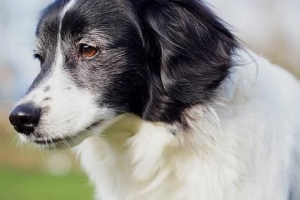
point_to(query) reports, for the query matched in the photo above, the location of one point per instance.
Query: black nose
(25, 118)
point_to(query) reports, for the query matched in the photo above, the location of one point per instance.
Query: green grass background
(25, 185)
(24, 174)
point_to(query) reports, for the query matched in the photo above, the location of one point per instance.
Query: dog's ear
(189, 43)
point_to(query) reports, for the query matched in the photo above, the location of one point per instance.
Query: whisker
(13, 141)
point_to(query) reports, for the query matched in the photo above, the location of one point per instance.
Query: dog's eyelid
(87, 43)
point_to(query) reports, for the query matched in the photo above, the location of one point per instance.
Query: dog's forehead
(78, 17)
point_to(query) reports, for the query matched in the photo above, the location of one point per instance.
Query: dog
(162, 102)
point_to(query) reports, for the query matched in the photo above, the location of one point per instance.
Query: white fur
(241, 147)
(67, 7)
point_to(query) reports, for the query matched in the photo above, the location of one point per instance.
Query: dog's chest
(145, 168)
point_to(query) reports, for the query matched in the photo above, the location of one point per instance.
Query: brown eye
(88, 51)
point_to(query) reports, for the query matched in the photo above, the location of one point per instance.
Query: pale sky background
(271, 27)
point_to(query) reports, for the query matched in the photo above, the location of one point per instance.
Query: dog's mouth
(52, 141)
(47, 142)
(94, 125)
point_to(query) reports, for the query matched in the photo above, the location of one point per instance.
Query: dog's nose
(25, 118)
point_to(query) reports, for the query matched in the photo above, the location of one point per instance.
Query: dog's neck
(134, 159)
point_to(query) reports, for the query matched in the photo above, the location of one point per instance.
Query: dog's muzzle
(25, 118)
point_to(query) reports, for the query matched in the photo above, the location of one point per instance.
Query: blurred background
(269, 27)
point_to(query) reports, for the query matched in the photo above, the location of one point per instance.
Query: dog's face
(101, 58)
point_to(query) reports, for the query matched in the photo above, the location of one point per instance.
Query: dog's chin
(59, 143)
(56, 143)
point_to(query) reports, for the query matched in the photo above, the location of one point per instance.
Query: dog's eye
(88, 51)
(39, 57)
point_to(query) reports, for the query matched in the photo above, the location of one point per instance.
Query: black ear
(192, 47)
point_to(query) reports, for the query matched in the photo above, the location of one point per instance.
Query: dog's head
(103, 58)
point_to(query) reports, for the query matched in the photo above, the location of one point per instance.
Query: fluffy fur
(170, 108)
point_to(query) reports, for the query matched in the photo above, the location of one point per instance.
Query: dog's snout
(25, 118)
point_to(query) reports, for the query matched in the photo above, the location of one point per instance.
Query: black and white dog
(162, 103)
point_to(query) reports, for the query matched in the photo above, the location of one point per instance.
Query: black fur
(191, 51)
(158, 57)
